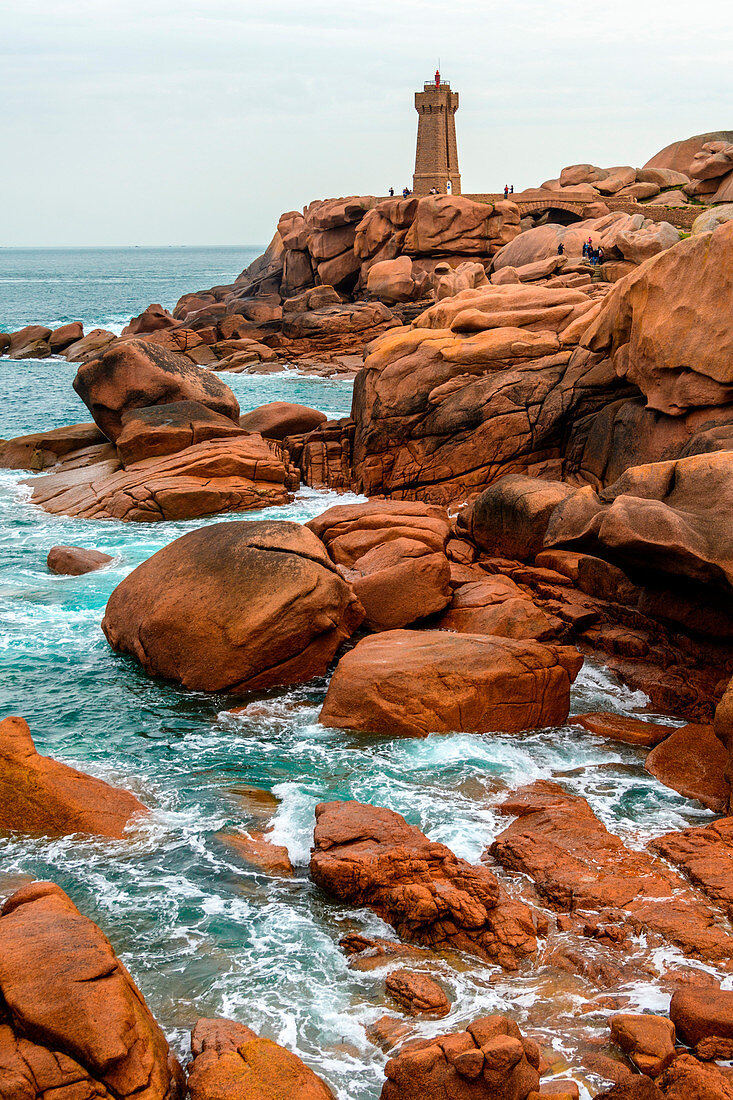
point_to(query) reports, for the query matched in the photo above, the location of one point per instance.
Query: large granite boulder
(393, 555)
(665, 326)
(137, 373)
(679, 155)
(490, 1060)
(231, 1062)
(510, 518)
(74, 1023)
(43, 797)
(278, 419)
(234, 607)
(369, 856)
(156, 430)
(668, 517)
(413, 682)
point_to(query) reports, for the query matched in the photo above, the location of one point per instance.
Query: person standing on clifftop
(391, 192)
(506, 191)
(511, 189)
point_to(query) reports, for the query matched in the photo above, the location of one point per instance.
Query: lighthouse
(436, 157)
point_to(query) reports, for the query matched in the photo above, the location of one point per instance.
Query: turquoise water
(202, 934)
(104, 287)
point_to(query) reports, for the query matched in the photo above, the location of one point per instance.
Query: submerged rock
(137, 373)
(692, 761)
(577, 864)
(43, 797)
(413, 682)
(620, 727)
(234, 607)
(419, 994)
(74, 561)
(75, 1025)
(369, 856)
(491, 1060)
(231, 1062)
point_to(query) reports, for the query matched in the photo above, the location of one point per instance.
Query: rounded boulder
(234, 607)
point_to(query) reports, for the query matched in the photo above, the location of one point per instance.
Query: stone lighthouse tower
(436, 159)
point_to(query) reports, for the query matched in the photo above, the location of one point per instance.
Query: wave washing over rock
(377, 743)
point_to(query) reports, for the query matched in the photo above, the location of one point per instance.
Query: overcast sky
(200, 121)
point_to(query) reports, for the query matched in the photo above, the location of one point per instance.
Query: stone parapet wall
(528, 201)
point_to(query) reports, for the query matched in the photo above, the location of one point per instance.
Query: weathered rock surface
(618, 727)
(692, 761)
(510, 518)
(704, 1020)
(231, 1062)
(679, 155)
(418, 993)
(489, 1061)
(277, 419)
(393, 555)
(152, 319)
(234, 607)
(76, 1026)
(413, 682)
(647, 1040)
(688, 1079)
(43, 797)
(369, 856)
(577, 865)
(497, 606)
(156, 430)
(43, 449)
(218, 475)
(257, 851)
(74, 561)
(705, 854)
(640, 325)
(138, 373)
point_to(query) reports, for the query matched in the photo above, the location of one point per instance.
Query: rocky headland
(544, 445)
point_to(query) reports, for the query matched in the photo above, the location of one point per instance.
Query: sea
(202, 934)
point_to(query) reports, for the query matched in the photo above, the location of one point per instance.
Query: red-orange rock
(393, 555)
(137, 373)
(257, 851)
(73, 561)
(705, 854)
(497, 606)
(30, 342)
(688, 1079)
(369, 856)
(418, 993)
(61, 338)
(230, 1062)
(165, 429)
(43, 449)
(489, 1061)
(510, 518)
(89, 346)
(632, 1088)
(280, 418)
(238, 607)
(413, 682)
(701, 1015)
(218, 475)
(42, 797)
(647, 1040)
(692, 761)
(152, 319)
(620, 727)
(577, 864)
(372, 952)
(76, 1025)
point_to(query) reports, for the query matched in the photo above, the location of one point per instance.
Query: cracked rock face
(231, 1061)
(77, 1025)
(234, 607)
(413, 682)
(137, 373)
(369, 856)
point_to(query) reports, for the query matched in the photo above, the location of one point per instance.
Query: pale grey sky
(181, 122)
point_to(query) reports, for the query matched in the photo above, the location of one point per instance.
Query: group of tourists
(594, 256)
